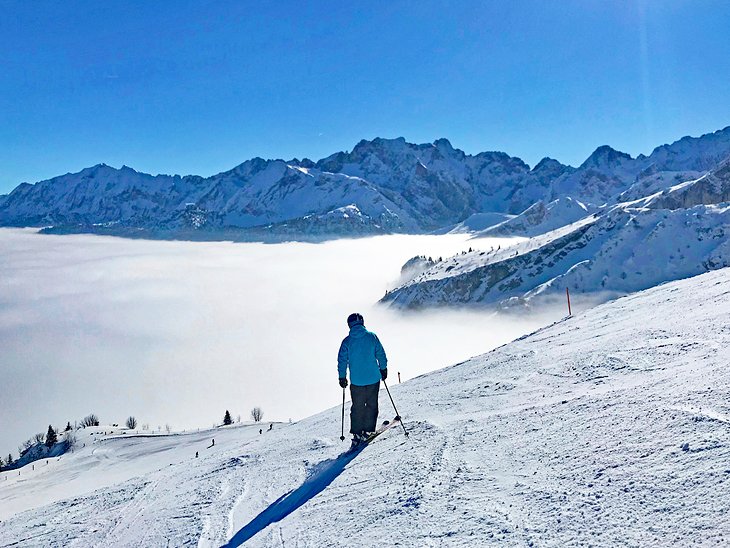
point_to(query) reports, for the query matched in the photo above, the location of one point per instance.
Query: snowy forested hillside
(611, 428)
(623, 250)
(381, 186)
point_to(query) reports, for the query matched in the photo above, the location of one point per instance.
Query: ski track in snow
(606, 429)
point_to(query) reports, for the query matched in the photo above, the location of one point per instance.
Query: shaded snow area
(611, 428)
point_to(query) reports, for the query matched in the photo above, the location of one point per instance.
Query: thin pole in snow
(567, 294)
(397, 415)
(342, 436)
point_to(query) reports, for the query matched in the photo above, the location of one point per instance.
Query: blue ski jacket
(362, 352)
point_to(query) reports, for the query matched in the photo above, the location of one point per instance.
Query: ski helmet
(355, 319)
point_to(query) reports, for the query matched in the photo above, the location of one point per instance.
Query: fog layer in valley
(177, 332)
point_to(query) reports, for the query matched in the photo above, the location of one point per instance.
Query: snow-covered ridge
(540, 218)
(711, 188)
(611, 428)
(677, 232)
(619, 251)
(396, 186)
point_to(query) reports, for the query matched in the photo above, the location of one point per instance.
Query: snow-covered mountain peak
(548, 164)
(380, 147)
(692, 153)
(98, 169)
(606, 158)
(444, 145)
(688, 141)
(304, 162)
(249, 168)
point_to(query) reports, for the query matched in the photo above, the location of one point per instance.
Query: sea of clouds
(177, 332)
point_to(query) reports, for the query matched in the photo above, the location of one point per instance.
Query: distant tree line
(257, 414)
(42, 443)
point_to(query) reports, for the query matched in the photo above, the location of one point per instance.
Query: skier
(362, 352)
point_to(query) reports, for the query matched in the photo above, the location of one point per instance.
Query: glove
(343, 382)
(384, 373)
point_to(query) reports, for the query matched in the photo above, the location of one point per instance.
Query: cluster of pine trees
(49, 439)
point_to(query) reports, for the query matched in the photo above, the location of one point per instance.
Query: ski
(385, 426)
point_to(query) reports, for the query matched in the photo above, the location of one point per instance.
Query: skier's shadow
(319, 478)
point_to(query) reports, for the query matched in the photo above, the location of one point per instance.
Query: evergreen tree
(10, 459)
(68, 426)
(227, 418)
(51, 437)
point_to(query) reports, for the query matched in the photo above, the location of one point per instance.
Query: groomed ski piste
(610, 428)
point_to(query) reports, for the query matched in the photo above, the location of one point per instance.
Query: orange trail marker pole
(567, 294)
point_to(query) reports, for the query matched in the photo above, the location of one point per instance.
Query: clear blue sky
(198, 87)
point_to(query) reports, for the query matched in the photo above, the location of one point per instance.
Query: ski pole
(342, 437)
(397, 415)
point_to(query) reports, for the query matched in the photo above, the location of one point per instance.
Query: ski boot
(358, 439)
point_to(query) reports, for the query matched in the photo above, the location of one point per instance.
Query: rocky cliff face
(711, 188)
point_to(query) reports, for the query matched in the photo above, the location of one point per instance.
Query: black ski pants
(364, 410)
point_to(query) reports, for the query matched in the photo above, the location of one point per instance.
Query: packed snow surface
(611, 428)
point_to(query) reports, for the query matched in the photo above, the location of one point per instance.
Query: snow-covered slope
(652, 183)
(622, 250)
(711, 188)
(395, 186)
(607, 429)
(105, 456)
(476, 222)
(539, 218)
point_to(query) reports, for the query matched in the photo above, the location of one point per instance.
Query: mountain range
(381, 186)
(678, 232)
